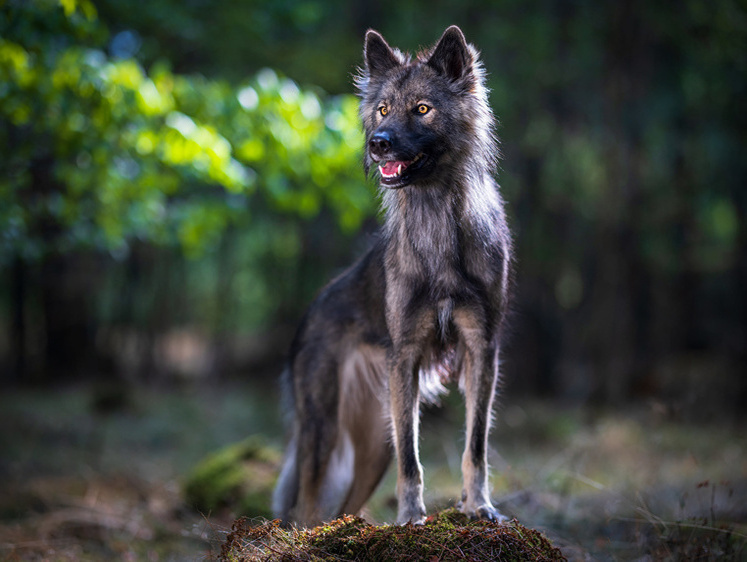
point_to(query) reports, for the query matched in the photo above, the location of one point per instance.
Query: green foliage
(99, 152)
(622, 133)
(241, 476)
(310, 40)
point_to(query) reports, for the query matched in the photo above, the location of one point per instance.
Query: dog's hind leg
(373, 453)
(325, 455)
(364, 414)
(309, 496)
(306, 500)
(338, 479)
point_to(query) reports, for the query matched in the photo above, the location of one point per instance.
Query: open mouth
(393, 172)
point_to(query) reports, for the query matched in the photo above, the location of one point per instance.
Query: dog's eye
(423, 109)
(383, 110)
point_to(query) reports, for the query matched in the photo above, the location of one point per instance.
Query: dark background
(623, 166)
(178, 179)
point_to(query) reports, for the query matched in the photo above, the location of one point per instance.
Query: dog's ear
(378, 55)
(451, 55)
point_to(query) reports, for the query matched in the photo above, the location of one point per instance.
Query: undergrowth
(448, 535)
(697, 538)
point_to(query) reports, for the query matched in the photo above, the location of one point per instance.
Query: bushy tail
(286, 490)
(285, 496)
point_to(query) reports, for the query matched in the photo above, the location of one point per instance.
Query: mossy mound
(239, 477)
(448, 535)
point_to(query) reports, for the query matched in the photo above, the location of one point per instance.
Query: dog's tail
(286, 490)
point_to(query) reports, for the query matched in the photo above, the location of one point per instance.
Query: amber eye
(383, 110)
(423, 109)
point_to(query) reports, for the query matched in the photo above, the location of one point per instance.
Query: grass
(80, 484)
(446, 536)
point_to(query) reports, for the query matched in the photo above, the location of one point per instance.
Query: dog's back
(427, 301)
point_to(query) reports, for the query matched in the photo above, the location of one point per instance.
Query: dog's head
(425, 113)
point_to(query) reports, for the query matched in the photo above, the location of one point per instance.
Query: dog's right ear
(378, 55)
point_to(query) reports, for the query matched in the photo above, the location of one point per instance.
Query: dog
(426, 303)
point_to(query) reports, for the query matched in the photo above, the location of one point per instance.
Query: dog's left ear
(451, 56)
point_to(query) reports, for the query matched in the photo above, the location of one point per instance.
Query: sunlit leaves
(156, 156)
(85, 7)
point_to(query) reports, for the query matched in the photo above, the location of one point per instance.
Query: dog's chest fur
(434, 241)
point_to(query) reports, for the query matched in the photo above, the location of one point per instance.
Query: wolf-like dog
(426, 303)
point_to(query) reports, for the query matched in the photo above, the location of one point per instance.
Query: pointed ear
(451, 56)
(378, 55)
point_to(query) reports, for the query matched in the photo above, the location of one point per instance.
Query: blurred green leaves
(99, 152)
(621, 126)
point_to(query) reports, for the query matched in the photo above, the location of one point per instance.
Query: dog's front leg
(403, 391)
(476, 491)
(480, 377)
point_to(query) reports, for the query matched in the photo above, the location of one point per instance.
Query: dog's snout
(380, 143)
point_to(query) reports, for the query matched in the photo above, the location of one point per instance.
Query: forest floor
(94, 473)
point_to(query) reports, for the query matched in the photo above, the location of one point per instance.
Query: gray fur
(426, 304)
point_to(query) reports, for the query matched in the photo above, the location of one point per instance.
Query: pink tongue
(390, 168)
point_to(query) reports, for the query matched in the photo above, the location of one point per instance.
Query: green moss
(448, 535)
(240, 477)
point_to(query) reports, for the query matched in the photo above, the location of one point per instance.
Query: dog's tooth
(399, 169)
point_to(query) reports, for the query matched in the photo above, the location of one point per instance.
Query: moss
(448, 535)
(240, 477)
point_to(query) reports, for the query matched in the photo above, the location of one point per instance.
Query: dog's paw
(410, 506)
(414, 521)
(486, 512)
(489, 513)
(415, 516)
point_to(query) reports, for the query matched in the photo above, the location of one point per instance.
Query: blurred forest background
(178, 178)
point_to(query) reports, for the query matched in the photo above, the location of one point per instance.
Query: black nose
(380, 143)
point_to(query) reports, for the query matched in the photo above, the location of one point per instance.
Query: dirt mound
(448, 535)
